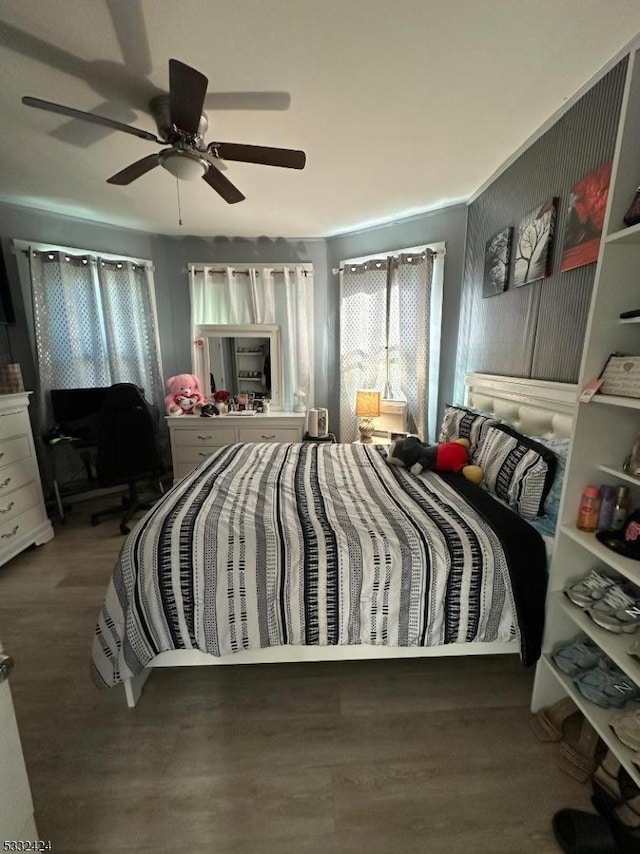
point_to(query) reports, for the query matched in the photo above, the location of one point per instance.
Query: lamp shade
(367, 403)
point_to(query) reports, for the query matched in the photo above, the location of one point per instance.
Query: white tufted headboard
(535, 407)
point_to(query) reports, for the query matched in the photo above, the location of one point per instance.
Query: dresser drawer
(208, 438)
(16, 475)
(18, 501)
(13, 450)
(14, 424)
(190, 457)
(266, 433)
(19, 526)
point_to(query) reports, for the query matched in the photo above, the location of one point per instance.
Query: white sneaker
(589, 590)
(616, 611)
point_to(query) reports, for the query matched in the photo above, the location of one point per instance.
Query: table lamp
(367, 407)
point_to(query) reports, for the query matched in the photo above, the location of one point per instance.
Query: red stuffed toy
(453, 457)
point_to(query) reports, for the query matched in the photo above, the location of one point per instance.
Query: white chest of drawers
(193, 438)
(23, 517)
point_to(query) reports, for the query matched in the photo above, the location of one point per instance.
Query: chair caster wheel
(124, 529)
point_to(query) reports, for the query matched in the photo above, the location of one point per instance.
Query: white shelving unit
(603, 434)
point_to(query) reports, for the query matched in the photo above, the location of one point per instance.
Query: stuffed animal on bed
(183, 396)
(453, 456)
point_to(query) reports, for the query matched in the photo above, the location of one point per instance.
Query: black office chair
(128, 450)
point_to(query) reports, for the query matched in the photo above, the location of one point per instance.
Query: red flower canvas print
(585, 219)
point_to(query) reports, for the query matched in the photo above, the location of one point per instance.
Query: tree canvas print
(533, 248)
(585, 219)
(496, 263)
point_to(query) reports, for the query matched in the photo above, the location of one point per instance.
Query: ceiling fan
(182, 125)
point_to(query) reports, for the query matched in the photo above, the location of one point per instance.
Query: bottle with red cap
(589, 509)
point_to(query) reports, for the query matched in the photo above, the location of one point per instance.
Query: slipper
(577, 657)
(607, 688)
(578, 752)
(579, 832)
(547, 724)
(588, 590)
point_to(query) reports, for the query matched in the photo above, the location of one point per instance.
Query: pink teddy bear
(184, 396)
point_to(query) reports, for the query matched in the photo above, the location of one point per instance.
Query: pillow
(517, 469)
(462, 423)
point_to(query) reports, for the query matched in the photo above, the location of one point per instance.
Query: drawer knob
(272, 436)
(5, 483)
(12, 534)
(7, 508)
(205, 438)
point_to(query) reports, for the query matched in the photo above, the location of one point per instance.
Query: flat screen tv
(7, 314)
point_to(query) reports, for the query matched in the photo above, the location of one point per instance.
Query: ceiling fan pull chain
(179, 209)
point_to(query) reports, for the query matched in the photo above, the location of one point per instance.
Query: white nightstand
(376, 440)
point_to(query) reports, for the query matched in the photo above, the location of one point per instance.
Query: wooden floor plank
(373, 756)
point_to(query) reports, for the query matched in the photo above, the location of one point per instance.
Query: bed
(308, 552)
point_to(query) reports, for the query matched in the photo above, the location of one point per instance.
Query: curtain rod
(18, 244)
(275, 268)
(85, 257)
(381, 263)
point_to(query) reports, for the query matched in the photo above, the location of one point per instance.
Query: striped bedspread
(273, 544)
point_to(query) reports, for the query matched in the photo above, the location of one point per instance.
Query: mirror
(239, 359)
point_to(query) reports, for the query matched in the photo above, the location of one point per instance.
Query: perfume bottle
(632, 463)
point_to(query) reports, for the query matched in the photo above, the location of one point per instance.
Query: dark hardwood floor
(377, 757)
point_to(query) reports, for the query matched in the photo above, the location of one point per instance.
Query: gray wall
(537, 330)
(446, 225)
(170, 256)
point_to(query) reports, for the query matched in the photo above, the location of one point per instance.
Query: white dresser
(23, 517)
(193, 438)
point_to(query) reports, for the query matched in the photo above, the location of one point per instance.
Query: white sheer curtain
(395, 304)
(278, 295)
(95, 324)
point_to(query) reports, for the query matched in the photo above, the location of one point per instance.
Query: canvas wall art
(534, 244)
(497, 257)
(585, 219)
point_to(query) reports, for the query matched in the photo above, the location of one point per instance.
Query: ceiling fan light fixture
(183, 165)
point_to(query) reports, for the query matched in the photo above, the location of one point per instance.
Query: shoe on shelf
(626, 726)
(590, 589)
(616, 611)
(607, 688)
(577, 657)
(634, 649)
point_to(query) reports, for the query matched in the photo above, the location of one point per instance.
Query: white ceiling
(402, 106)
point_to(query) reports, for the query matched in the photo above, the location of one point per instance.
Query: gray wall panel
(537, 330)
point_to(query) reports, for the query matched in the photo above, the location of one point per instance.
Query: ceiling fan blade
(88, 117)
(213, 160)
(222, 185)
(187, 90)
(134, 170)
(286, 157)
